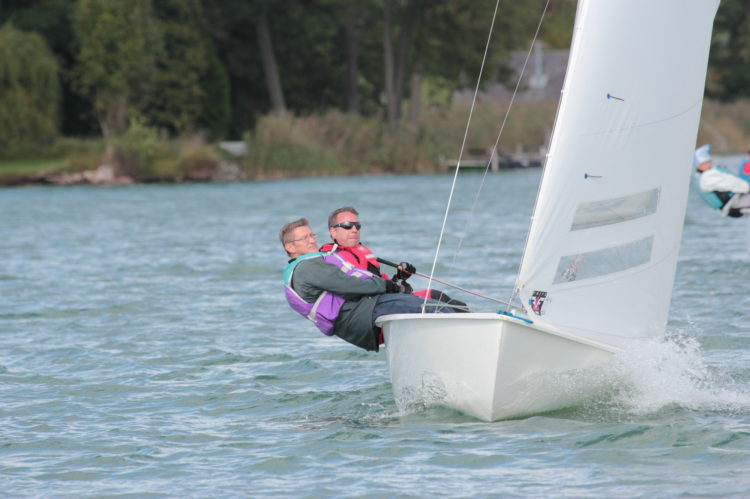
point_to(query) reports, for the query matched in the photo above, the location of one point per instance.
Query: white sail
(603, 244)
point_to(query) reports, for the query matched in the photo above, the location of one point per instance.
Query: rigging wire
(494, 149)
(460, 156)
(454, 286)
(500, 133)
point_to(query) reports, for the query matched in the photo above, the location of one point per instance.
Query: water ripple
(146, 350)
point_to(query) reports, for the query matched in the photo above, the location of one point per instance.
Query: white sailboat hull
(488, 366)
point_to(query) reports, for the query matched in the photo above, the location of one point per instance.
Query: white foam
(657, 374)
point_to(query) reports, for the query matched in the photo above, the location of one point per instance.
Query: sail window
(612, 211)
(605, 261)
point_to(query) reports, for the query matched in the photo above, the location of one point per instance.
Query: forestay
(603, 244)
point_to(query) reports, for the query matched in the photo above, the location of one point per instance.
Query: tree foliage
(190, 86)
(29, 86)
(729, 72)
(52, 19)
(118, 44)
(186, 65)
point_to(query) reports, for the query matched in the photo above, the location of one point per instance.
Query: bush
(198, 162)
(141, 153)
(79, 154)
(147, 154)
(284, 145)
(336, 142)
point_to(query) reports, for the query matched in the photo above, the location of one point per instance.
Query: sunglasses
(347, 225)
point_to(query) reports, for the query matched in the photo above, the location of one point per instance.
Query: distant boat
(598, 269)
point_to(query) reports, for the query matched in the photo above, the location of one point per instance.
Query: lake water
(146, 350)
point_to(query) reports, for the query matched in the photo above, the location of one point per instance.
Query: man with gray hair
(341, 299)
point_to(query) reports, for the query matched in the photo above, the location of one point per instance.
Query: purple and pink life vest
(744, 171)
(325, 310)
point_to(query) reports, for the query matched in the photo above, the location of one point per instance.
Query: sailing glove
(405, 270)
(397, 286)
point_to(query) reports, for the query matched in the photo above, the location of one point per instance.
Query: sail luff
(554, 139)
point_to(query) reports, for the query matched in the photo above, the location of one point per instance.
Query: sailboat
(598, 269)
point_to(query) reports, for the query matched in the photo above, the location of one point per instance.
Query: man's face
(301, 241)
(707, 165)
(345, 237)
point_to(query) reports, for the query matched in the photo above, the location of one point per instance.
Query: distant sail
(603, 245)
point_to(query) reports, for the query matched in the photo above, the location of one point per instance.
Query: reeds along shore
(331, 143)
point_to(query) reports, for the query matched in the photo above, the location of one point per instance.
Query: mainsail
(604, 240)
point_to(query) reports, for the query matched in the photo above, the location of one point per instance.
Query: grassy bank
(335, 143)
(726, 126)
(338, 143)
(30, 166)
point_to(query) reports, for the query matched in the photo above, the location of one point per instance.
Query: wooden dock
(477, 158)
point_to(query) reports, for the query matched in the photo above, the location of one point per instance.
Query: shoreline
(94, 179)
(104, 176)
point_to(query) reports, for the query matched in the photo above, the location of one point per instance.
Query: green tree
(51, 19)
(29, 89)
(118, 43)
(231, 26)
(309, 48)
(216, 111)
(557, 30)
(729, 71)
(191, 88)
(441, 40)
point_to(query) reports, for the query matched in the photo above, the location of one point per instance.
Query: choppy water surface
(146, 350)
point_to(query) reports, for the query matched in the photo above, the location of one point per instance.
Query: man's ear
(330, 231)
(289, 247)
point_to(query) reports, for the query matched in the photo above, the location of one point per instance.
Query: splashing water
(658, 374)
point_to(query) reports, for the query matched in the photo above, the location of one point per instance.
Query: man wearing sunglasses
(344, 227)
(340, 298)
